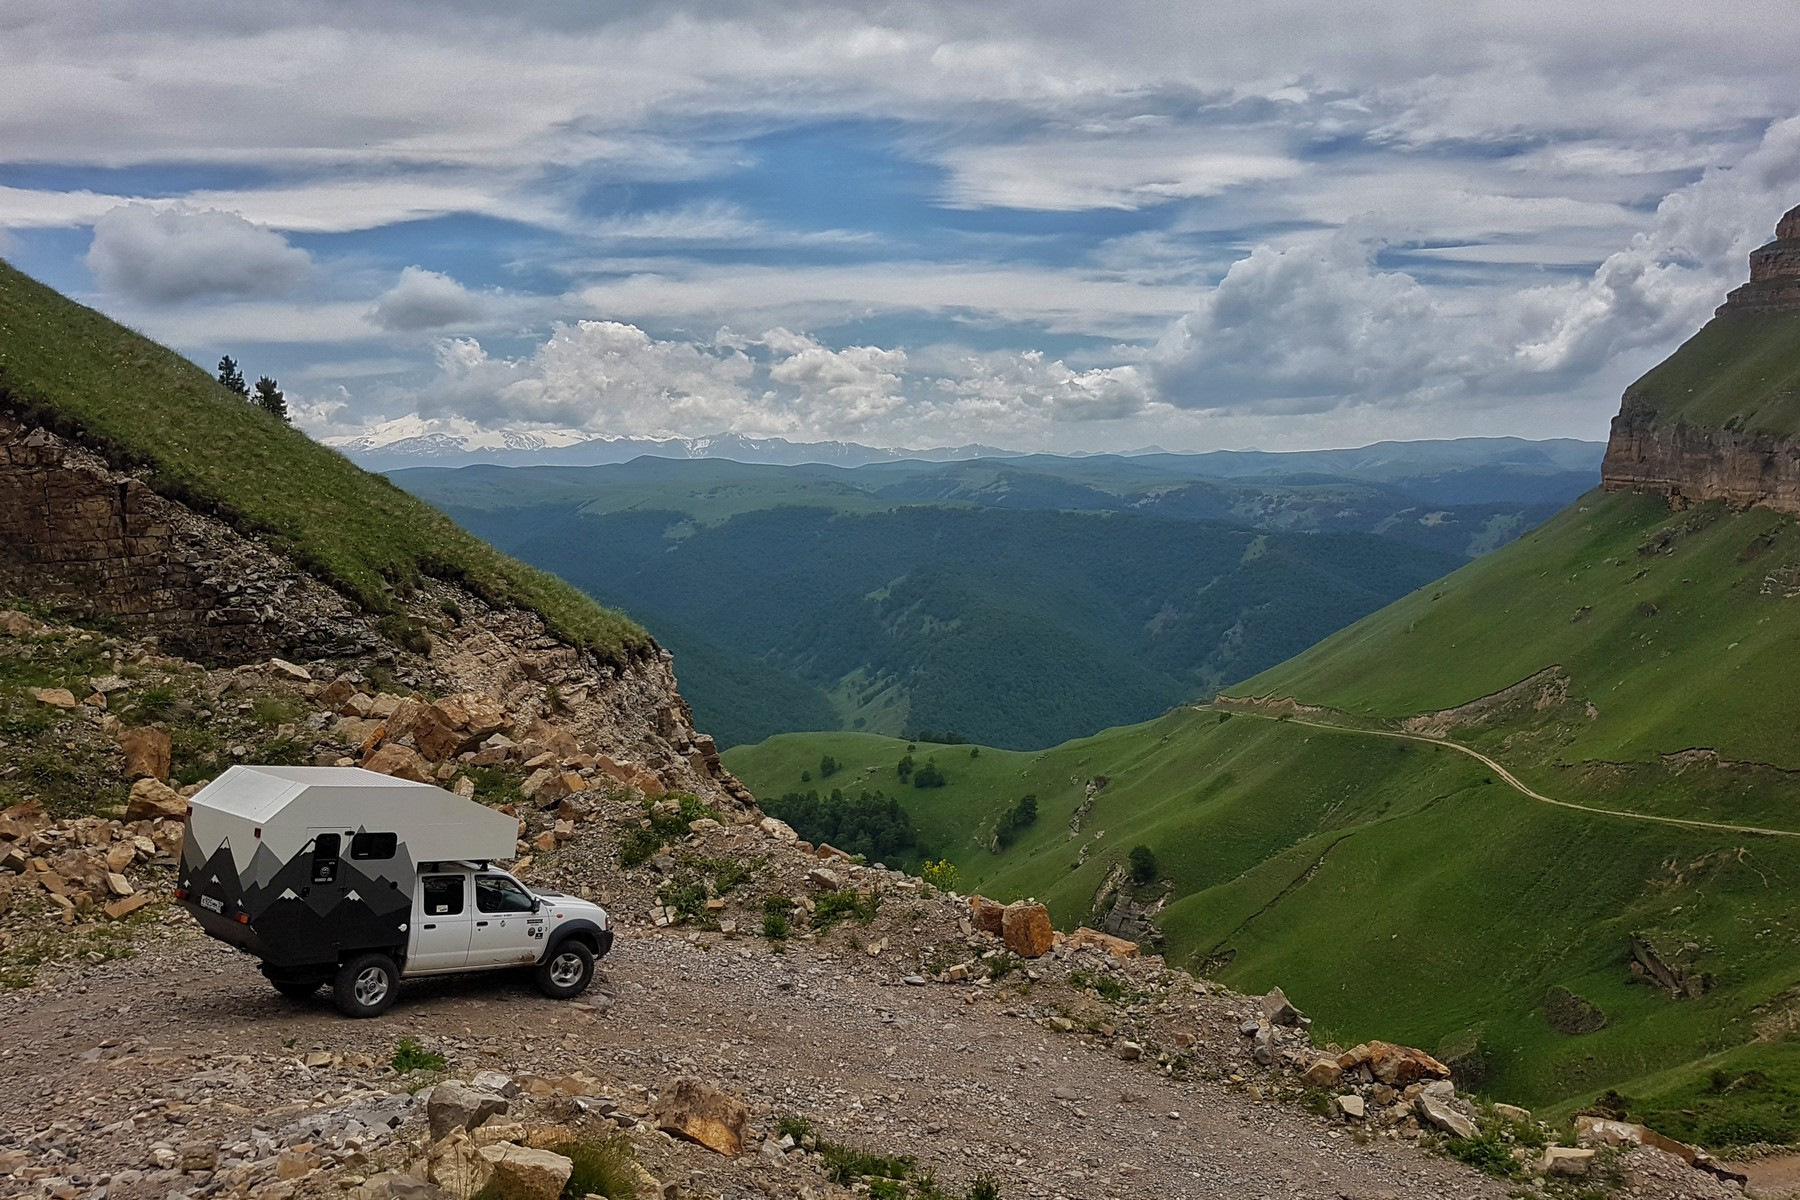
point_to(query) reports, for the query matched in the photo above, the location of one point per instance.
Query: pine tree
(270, 399)
(231, 378)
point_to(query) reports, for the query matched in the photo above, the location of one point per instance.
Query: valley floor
(872, 1062)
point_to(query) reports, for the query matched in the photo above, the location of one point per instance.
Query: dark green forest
(1014, 628)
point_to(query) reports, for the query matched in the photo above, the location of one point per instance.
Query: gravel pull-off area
(185, 1048)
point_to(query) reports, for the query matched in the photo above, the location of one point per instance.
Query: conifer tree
(232, 378)
(270, 399)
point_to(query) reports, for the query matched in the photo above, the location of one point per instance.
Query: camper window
(325, 857)
(374, 845)
(498, 894)
(443, 895)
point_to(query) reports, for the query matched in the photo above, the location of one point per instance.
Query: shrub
(941, 875)
(602, 1168)
(410, 1055)
(832, 907)
(1143, 865)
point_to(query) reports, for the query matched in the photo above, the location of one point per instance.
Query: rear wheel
(366, 986)
(567, 971)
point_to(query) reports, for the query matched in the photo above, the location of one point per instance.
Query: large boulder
(989, 916)
(1092, 939)
(456, 723)
(454, 1105)
(146, 753)
(402, 762)
(704, 1115)
(524, 1173)
(454, 1164)
(1396, 1066)
(1441, 1114)
(154, 800)
(1277, 1010)
(1027, 930)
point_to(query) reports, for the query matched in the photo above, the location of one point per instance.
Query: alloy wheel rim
(371, 986)
(565, 970)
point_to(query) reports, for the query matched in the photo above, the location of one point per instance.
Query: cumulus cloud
(424, 300)
(163, 255)
(1316, 324)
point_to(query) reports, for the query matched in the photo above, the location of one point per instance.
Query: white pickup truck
(342, 876)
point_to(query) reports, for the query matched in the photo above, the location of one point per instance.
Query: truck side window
(443, 895)
(325, 857)
(498, 894)
(374, 845)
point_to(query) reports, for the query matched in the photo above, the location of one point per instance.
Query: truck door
(442, 922)
(506, 928)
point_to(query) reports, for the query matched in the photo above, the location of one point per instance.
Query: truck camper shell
(303, 866)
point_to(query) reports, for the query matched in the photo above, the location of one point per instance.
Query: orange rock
(1026, 927)
(704, 1115)
(402, 762)
(1396, 1066)
(989, 916)
(146, 753)
(1092, 939)
(151, 800)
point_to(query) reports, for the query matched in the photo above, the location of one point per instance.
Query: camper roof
(281, 807)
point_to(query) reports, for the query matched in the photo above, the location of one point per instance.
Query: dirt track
(828, 1035)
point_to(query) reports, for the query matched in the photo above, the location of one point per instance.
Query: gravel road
(186, 1041)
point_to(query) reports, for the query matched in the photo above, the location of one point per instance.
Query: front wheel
(567, 972)
(366, 986)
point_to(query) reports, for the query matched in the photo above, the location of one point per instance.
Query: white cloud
(165, 255)
(424, 300)
(1106, 169)
(1315, 325)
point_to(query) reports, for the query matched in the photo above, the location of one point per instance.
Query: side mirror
(537, 905)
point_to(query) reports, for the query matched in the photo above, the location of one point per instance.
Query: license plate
(212, 905)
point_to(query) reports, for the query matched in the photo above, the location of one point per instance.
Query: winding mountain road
(1515, 783)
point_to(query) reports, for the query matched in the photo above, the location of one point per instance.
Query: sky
(1032, 224)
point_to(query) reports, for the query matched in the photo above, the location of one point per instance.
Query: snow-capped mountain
(454, 442)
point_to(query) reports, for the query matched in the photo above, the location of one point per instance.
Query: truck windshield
(498, 894)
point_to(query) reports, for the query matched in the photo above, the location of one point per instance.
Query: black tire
(566, 970)
(366, 985)
(296, 989)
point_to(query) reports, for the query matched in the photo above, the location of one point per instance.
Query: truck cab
(467, 916)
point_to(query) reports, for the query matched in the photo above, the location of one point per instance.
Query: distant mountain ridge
(418, 442)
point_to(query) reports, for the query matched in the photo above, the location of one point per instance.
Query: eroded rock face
(95, 542)
(102, 543)
(1690, 465)
(1774, 273)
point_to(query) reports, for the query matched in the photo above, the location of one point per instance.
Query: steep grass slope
(145, 407)
(1400, 889)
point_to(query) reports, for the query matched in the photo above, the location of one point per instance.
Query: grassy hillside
(1741, 371)
(1017, 628)
(1401, 889)
(145, 406)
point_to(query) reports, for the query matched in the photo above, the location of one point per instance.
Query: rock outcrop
(1774, 273)
(95, 542)
(1654, 451)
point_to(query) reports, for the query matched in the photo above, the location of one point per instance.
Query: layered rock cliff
(1717, 420)
(86, 539)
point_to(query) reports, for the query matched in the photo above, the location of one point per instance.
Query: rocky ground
(143, 1060)
(177, 1070)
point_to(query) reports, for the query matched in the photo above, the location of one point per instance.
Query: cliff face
(99, 544)
(1730, 441)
